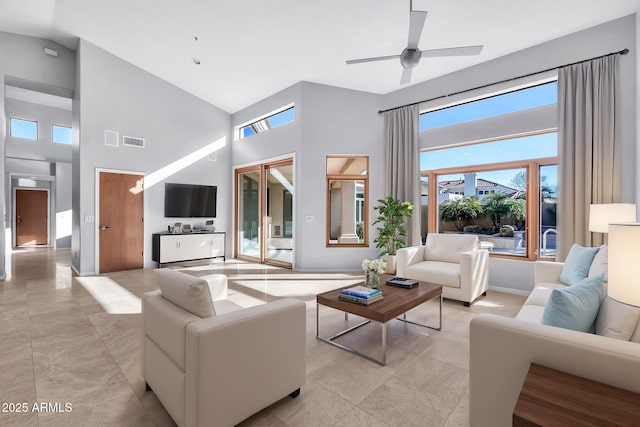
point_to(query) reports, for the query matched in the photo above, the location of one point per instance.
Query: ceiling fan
(410, 56)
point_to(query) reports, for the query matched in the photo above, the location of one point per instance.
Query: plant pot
(391, 264)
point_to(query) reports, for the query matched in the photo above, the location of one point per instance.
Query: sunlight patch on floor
(111, 296)
(488, 304)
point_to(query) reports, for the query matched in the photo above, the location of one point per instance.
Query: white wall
(637, 95)
(335, 121)
(116, 95)
(606, 38)
(26, 65)
(62, 211)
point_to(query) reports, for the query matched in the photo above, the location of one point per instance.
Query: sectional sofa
(502, 348)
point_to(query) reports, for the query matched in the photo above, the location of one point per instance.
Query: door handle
(104, 227)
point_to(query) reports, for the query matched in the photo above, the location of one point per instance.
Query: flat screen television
(189, 201)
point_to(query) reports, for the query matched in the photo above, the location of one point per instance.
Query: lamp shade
(601, 215)
(624, 263)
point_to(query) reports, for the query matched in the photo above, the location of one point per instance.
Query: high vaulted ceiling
(250, 49)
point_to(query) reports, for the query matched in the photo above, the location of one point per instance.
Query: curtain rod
(621, 52)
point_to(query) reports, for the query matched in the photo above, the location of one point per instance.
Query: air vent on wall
(111, 138)
(131, 141)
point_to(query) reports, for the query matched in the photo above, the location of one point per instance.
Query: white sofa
(219, 370)
(454, 261)
(502, 348)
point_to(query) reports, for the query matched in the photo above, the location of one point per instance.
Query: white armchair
(219, 370)
(454, 261)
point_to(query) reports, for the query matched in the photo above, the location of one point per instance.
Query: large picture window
(503, 189)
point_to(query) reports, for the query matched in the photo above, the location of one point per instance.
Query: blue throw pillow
(575, 307)
(576, 266)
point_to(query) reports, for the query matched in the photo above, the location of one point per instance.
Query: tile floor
(76, 341)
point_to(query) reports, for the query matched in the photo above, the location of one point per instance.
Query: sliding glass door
(279, 229)
(248, 213)
(264, 213)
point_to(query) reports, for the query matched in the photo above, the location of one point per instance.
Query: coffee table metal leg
(384, 343)
(439, 328)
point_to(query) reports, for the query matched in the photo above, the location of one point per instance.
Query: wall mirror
(347, 201)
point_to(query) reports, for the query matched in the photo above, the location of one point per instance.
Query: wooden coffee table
(397, 301)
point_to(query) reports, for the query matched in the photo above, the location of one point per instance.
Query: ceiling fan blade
(406, 76)
(452, 51)
(372, 59)
(416, 24)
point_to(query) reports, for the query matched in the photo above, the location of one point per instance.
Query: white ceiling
(250, 49)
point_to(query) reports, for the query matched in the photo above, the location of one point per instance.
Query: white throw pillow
(617, 320)
(600, 263)
(188, 292)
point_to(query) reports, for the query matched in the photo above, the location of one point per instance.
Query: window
(503, 189)
(26, 129)
(502, 212)
(272, 121)
(536, 96)
(347, 204)
(62, 134)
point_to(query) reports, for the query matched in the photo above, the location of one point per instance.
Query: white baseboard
(509, 290)
(77, 273)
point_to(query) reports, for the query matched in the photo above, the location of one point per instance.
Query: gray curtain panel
(588, 147)
(403, 163)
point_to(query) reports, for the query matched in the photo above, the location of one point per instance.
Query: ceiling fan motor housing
(409, 58)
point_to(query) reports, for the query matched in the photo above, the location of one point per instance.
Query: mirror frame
(347, 177)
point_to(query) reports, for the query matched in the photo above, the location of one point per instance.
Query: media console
(177, 247)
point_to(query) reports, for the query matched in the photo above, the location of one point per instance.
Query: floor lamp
(624, 265)
(601, 215)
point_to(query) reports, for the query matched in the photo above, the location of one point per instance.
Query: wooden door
(121, 222)
(32, 215)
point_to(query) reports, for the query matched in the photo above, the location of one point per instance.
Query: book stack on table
(360, 295)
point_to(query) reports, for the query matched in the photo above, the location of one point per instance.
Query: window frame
(53, 126)
(264, 118)
(348, 177)
(11, 119)
(532, 166)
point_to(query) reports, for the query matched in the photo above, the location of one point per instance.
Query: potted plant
(392, 214)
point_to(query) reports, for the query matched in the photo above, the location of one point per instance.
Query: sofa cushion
(576, 266)
(442, 273)
(617, 320)
(447, 247)
(187, 292)
(575, 307)
(225, 306)
(531, 313)
(218, 286)
(541, 293)
(600, 264)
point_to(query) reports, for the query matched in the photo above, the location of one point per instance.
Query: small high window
(277, 119)
(62, 134)
(26, 129)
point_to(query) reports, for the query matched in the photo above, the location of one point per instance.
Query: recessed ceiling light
(196, 61)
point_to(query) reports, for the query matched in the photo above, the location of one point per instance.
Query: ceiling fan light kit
(410, 55)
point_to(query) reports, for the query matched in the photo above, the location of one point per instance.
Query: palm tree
(500, 205)
(461, 211)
